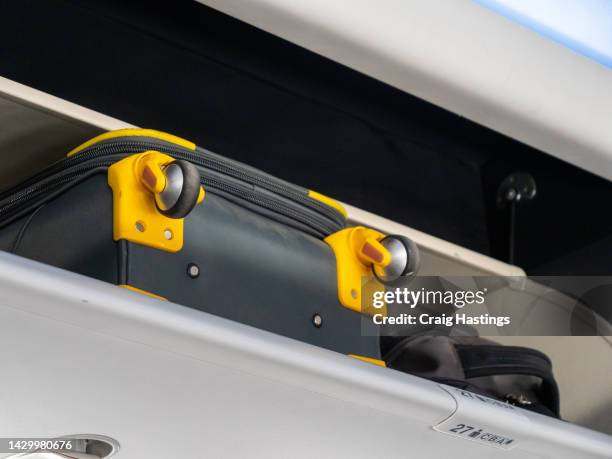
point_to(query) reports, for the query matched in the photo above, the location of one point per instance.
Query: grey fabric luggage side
(252, 267)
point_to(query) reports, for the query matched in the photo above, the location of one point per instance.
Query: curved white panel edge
(61, 108)
(169, 381)
(463, 57)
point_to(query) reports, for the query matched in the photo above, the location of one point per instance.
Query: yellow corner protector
(356, 250)
(380, 363)
(143, 292)
(134, 132)
(328, 201)
(136, 217)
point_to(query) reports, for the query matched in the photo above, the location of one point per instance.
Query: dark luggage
(252, 251)
(517, 375)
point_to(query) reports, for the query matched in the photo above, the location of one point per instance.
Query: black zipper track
(217, 164)
(47, 184)
(322, 219)
(279, 207)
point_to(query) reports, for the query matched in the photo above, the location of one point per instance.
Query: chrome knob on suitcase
(175, 186)
(180, 195)
(405, 259)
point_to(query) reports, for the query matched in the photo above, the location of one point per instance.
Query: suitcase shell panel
(252, 269)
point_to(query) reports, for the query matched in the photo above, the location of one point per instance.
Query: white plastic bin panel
(82, 356)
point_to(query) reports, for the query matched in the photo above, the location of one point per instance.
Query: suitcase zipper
(203, 158)
(307, 212)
